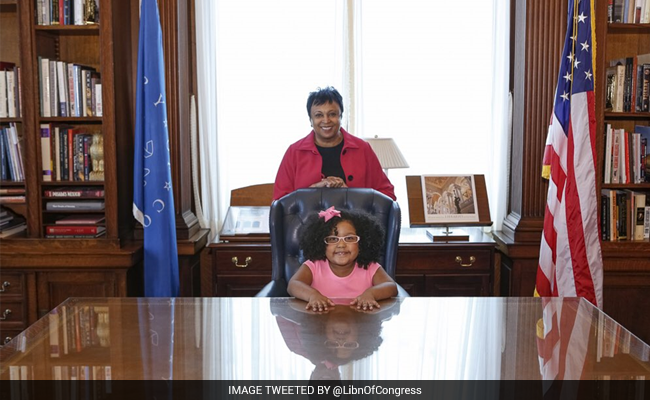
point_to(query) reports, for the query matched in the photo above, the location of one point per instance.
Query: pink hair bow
(329, 213)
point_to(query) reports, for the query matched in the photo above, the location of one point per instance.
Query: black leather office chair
(289, 213)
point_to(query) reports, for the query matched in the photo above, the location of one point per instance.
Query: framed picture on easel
(449, 199)
(444, 201)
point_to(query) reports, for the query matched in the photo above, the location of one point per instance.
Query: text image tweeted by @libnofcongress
(323, 390)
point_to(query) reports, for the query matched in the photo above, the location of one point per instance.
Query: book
(74, 229)
(644, 142)
(12, 199)
(74, 205)
(4, 108)
(55, 349)
(646, 223)
(8, 232)
(74, 236)
(11, 94)
(78, 192)
(639, 201)
(46, 152)
(80, 219)
(13, 191)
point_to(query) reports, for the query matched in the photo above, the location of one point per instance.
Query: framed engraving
(246, 220)
(449, 199)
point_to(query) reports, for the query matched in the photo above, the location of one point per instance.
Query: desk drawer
(448, 260)
(12, 314)
(248, 261)
(12, 285)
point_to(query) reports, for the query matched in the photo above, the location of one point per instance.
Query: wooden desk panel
(424, 268)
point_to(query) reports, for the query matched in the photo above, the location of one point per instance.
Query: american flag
(570, 260)
(562, 341)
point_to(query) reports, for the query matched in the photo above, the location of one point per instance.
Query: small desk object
(416, 339)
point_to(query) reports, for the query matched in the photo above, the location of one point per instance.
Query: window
(424, 73)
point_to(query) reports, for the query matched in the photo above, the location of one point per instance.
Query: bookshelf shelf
(70, 29)
(624, 28)
(642, 116)
(77, 120)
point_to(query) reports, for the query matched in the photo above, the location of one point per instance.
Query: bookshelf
(626, 262)
(52, 269)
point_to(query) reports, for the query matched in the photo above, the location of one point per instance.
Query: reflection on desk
(272, 339)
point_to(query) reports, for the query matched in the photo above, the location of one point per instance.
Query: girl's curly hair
(368, 229)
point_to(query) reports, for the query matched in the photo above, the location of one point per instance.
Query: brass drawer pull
(248, 260)
(5, 314)
(4, 287)
(459, 260)
(7, 340)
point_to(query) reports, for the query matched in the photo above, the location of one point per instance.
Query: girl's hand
(319, 303)
(365, 301)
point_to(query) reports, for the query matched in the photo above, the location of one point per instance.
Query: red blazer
(302, 164)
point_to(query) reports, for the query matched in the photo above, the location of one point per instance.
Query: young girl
(342, 249)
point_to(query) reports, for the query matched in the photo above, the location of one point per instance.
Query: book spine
(54, 92)
(71, 96)
(4, 167)
(46, 155)
(78, 193)
(74, 229)
(11, 94)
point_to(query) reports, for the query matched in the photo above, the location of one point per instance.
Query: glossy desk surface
(270, 339)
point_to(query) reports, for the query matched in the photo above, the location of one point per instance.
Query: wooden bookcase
(50, 270)
(626, 263)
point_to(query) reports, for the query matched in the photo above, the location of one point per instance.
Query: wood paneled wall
(538, 30)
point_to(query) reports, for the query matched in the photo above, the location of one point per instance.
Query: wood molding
(177, 25)
(538, 36)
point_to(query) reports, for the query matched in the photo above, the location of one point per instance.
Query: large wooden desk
(424, 268)
(414, 338)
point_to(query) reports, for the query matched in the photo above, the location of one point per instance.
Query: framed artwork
(246, 220)
(449, 199)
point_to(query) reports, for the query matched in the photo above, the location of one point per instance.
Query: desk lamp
(388, 153)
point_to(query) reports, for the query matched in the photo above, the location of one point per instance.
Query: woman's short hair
(367, 226)
(322, 96)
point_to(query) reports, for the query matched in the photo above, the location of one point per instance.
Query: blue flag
(153, 198)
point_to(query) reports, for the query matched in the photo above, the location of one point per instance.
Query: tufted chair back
(290, 213)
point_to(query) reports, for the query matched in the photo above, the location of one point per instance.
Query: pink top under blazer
(332, 286)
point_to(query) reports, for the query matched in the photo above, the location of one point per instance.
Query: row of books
(75, 328)
(625, 215)
(10, 90)
(628, 84)
(69, 90)
(629, 11)
(611, 340)
(66, 373)
(67, 12)
(76, 226)
(627, 155)
(11, 154)
(10, 224)
(66, 154)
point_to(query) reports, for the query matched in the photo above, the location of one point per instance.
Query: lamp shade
(387, 152)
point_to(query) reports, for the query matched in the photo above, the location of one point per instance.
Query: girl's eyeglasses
(346, 239)
(333, 344)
